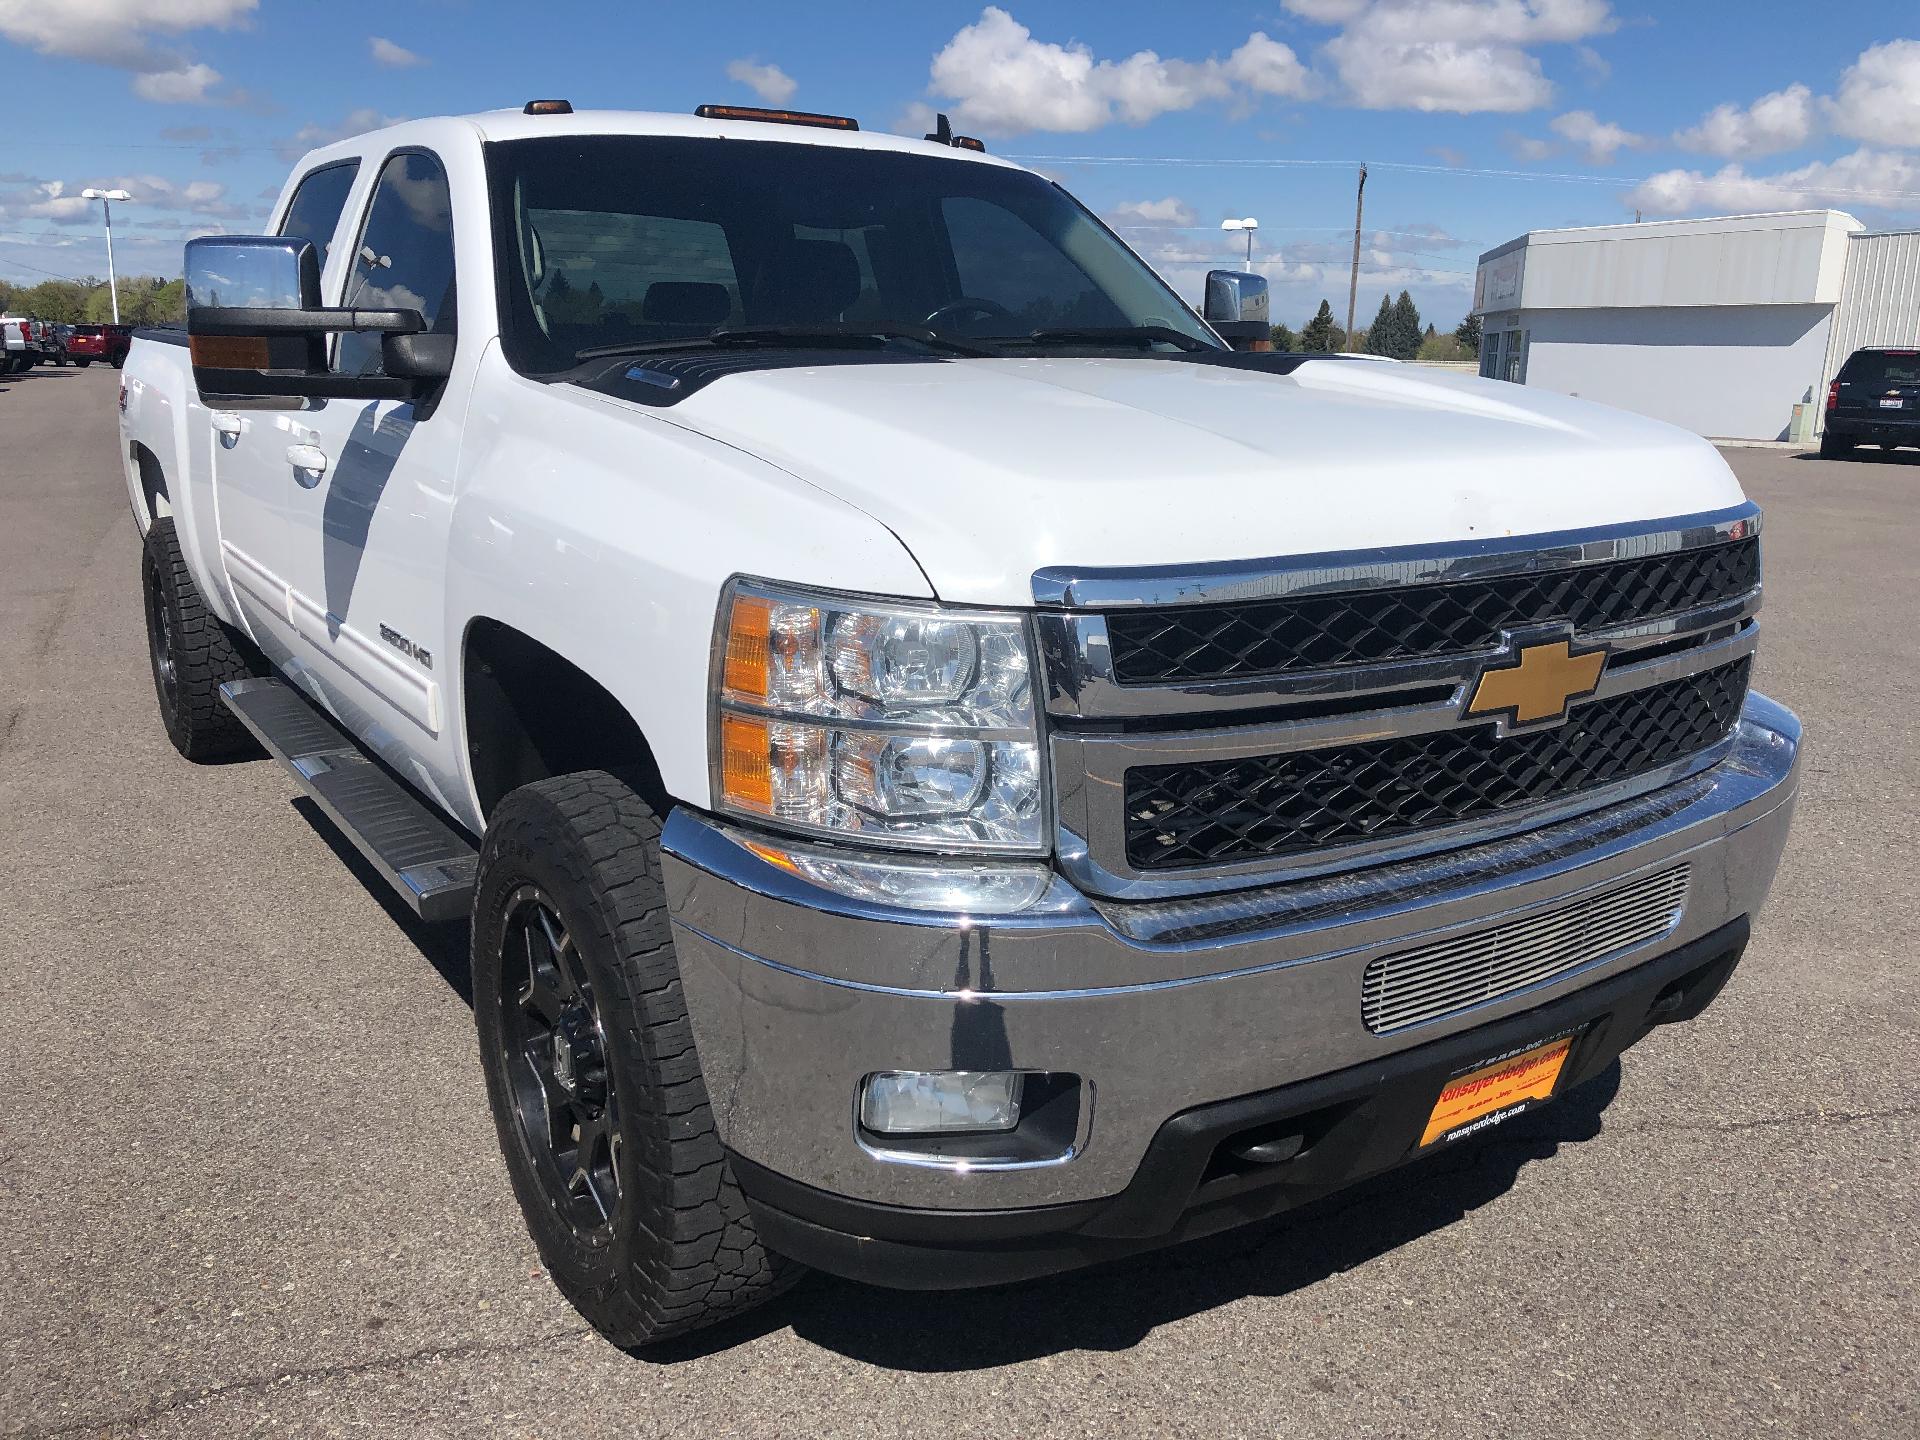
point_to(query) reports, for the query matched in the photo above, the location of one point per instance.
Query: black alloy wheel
(166, 674)
(564, 1100)
(592, 1071)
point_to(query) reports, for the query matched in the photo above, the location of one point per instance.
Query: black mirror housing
(256, 327)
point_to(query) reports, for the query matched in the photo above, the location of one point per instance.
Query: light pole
(106, 199)
(1249, 225)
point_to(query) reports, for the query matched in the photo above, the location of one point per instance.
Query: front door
(371, 502)
(253, 482)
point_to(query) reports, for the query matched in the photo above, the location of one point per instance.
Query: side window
(405, 257)
(317, 202)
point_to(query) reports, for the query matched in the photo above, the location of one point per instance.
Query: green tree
(1380, 334)
(1405, 341)
(1321, 336)
(1284, 338)
(1468, 333)
(1444, 348)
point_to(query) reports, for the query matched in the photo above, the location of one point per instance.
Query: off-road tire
(1832, 447)
(204, 654)
(680, 1251)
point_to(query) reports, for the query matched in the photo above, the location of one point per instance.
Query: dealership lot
(248, 1183)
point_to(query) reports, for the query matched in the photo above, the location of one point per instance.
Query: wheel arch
(150, 479)
(529, 713)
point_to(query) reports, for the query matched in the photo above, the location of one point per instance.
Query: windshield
(614, 241)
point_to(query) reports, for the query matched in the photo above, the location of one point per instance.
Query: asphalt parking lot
(248, 1183)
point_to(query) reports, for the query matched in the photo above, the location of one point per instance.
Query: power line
(1785, 184)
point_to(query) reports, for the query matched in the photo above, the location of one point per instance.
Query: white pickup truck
(953, 772)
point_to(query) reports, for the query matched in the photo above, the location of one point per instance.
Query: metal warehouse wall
(1880, 298)
(1733, 372)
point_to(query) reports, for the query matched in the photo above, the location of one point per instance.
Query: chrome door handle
(307, 457)
(227, 424)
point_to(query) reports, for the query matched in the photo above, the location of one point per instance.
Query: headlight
(907, 724)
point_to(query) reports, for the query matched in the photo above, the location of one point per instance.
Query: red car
(100, 342)
(87, 344)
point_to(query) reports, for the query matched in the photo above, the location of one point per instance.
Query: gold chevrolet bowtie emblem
(1540, 684)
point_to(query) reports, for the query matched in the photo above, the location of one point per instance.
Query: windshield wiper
(826, 335)
(1134, 335)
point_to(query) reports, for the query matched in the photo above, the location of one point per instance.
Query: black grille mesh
(1357, 627)
(1222, 811)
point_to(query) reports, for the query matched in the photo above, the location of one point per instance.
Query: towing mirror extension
(256, 328)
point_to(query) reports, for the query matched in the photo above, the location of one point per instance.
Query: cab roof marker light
(776, 117)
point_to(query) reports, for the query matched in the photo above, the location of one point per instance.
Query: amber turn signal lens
(749, 628)
(230, 352)
(746, 767)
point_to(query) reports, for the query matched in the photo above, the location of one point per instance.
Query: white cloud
(1527, 147)
(1599, 139)
(1171, 211)
(396, 57)
(998, 79)
(62, 204)
(313, 136)
(121, 33)
(1780, 120)
(187, 85)
(769, 82)
(1871, 179)
(1463, 56)
(1879, 98)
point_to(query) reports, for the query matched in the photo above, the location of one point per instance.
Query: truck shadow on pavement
(1114, 1306)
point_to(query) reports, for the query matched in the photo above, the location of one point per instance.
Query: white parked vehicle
(953, 772)
(20, 345)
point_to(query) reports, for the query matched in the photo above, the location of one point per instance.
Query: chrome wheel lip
(569, 1131)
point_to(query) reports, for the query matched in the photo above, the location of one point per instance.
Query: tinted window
(1002, 260)
(597, 273)
(618, 240)
(405, 257)
(315, 212)
(1871, 369)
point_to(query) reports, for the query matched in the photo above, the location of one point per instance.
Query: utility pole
(1353, 282)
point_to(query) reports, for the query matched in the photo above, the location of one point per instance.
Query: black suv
(1875, 400)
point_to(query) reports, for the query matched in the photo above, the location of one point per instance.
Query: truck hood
(988, 470)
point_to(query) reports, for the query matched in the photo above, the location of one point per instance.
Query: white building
(1720, 325)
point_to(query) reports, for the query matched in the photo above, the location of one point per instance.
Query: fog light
(930, 1102)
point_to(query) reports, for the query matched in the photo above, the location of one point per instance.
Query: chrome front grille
(1239, 725)
(1415, 987)
(1165, 645)
(1226, 811)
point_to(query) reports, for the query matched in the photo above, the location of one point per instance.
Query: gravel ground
(248, 1184)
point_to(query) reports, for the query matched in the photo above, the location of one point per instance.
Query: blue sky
(1481, 118)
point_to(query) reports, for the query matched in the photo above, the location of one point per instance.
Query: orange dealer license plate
(1497, 1091)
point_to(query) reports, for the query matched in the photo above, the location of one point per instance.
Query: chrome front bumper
(798, 992)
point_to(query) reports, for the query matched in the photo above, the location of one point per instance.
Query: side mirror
(255, 325)
(1235, 295)
(1236, 305)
